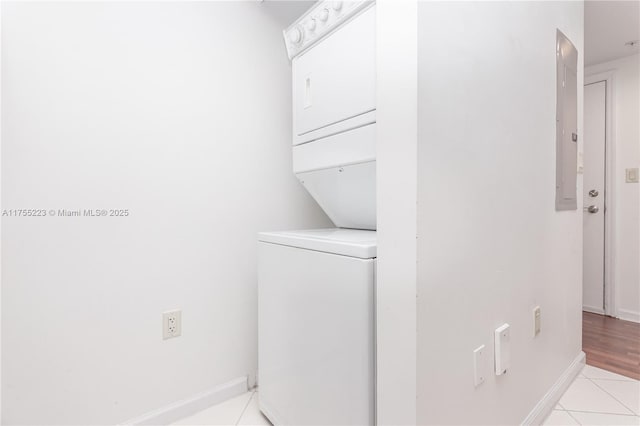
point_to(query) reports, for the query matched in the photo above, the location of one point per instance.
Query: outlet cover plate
(536, 321)
(171, 324)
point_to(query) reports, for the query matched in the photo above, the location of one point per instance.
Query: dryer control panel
(319, 21)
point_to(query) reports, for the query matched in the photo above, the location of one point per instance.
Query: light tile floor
(241, 410)
(596, 397)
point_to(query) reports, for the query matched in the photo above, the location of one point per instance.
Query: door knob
(593, 193)
(593, 209)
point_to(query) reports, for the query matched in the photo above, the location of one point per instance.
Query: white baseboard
(269, 415)
(189, 406)
(593, 309)
(551, 398)
(628, 315)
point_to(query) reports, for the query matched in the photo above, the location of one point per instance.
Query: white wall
(490, 244)
(396, 175)
(179, 112)
(626, 135)
(0, 210)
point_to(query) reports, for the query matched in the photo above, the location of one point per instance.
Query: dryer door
(335, 79)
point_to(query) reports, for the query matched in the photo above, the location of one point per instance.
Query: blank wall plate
(580, 163)
(502, 343)
(171, 324)
(480, 369)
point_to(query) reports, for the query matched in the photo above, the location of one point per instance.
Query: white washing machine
(316, 288)
(316, 326)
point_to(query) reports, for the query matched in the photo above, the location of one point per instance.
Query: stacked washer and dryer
(316, 288)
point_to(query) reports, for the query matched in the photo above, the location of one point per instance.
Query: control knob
(295, 36)
(311, 24)
(324, 15)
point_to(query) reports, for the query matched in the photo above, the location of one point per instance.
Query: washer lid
(347, 242)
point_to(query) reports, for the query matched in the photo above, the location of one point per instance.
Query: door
(594, 196)
(335, 80)
(316, 354)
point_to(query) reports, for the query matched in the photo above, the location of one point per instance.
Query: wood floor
(611, 344)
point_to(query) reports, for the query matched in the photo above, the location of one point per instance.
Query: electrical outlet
(536, 321)
(171, 324)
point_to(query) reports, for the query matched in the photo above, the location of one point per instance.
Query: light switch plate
(479, 366)
(632, 175)
(536, 321)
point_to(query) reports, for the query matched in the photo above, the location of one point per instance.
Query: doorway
(594, 197)
(597, 197)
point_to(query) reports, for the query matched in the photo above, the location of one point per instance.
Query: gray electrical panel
(566, 123)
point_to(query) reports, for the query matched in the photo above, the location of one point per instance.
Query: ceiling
(608, 25)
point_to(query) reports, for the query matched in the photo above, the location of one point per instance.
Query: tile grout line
(625, 379)
(599, 412)
(608, 393)
(611, 380)
(574, 419)
(245, 407)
